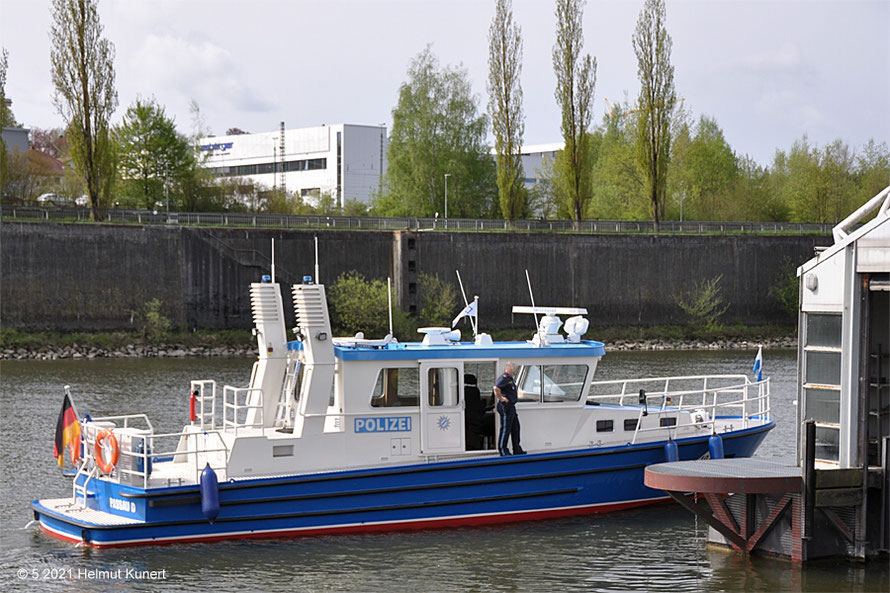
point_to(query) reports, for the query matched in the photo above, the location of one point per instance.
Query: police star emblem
(444, 423)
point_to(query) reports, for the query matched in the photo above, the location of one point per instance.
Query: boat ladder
(81, 489)
(286, 399)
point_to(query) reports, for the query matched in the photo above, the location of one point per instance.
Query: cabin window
(551, 382)
(630, 424)
(442, 386)
(669, 421)
(485, 375)
(396, 388)
(604, 426)
(822, 379)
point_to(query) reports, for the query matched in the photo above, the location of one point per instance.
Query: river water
(659, 548)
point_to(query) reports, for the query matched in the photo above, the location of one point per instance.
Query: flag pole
(466, 302)
(476, 322)
(71, 399)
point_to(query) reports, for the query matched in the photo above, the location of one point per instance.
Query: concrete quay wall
(97, 277)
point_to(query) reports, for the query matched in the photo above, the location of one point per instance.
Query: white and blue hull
(475, 491)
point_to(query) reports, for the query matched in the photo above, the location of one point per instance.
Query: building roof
(43, 164)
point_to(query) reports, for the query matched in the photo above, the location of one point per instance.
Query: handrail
(880, 201)
(125, 418)
(751, 406)
(201, 398)
(148, 454)
(332, 221)
(236, 407)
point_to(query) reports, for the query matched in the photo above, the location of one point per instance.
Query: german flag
(67, 429)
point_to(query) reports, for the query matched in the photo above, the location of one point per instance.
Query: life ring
(106, 466)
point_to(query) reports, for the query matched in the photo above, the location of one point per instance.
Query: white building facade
(533, 157)
(347, 161)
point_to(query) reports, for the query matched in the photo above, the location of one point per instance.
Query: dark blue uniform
(507, 414)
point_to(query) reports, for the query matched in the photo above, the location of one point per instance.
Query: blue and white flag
(468, 311)
(758, 365)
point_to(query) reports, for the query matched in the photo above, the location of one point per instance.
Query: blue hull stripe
(436, 467)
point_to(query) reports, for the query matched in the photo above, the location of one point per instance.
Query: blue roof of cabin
(459, 350)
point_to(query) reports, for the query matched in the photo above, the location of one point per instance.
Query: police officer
(505, 392)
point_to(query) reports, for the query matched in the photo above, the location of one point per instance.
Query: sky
(767, 71)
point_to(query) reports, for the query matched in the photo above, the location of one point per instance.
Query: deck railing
(236, 410)
(136, 457)
(707, 398)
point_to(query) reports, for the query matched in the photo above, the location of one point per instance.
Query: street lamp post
(447, 175)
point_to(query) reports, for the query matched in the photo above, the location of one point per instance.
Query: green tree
(707, 170)
(360, 305)
(439, 301)
(505, 106)
(872, 169)
(657, 99)
(155, 161)
(617, 182)
(82, 68)
(7, 119)
(703, 303)
(437, 130)
(575, 84)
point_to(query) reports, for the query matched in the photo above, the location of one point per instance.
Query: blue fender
(209, 494)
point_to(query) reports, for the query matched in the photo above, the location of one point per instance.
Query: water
(653, 549)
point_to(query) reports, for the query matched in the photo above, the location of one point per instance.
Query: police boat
(343, 435)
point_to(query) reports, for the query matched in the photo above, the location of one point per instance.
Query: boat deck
(65, 506)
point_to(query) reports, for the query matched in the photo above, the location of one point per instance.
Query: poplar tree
(6, 119)
(505, 107)
(82, 69)
(575, 84)
(652, 45)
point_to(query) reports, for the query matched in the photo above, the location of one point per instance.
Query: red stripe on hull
(476, 520)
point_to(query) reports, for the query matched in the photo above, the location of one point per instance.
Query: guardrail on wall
(317, 221)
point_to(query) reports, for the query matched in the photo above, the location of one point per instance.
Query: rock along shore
(130, 351)
(180, 351)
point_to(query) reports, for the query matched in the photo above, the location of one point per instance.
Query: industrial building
(533, 157)
(346, 161)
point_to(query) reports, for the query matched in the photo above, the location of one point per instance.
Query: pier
(833, 500)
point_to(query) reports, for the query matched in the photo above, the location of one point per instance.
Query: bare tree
(505, 107)
(652, 44)
(575, 84)
(82, 68)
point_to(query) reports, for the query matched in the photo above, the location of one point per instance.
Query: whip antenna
(389, 297)
(532, 295)
(317, 281)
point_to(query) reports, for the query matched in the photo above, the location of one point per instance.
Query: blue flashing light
(267, 278)
(307, 279)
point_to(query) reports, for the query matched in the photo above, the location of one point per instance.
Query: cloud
(172, 65)
(779, 59)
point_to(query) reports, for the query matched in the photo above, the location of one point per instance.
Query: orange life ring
(106, 466)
